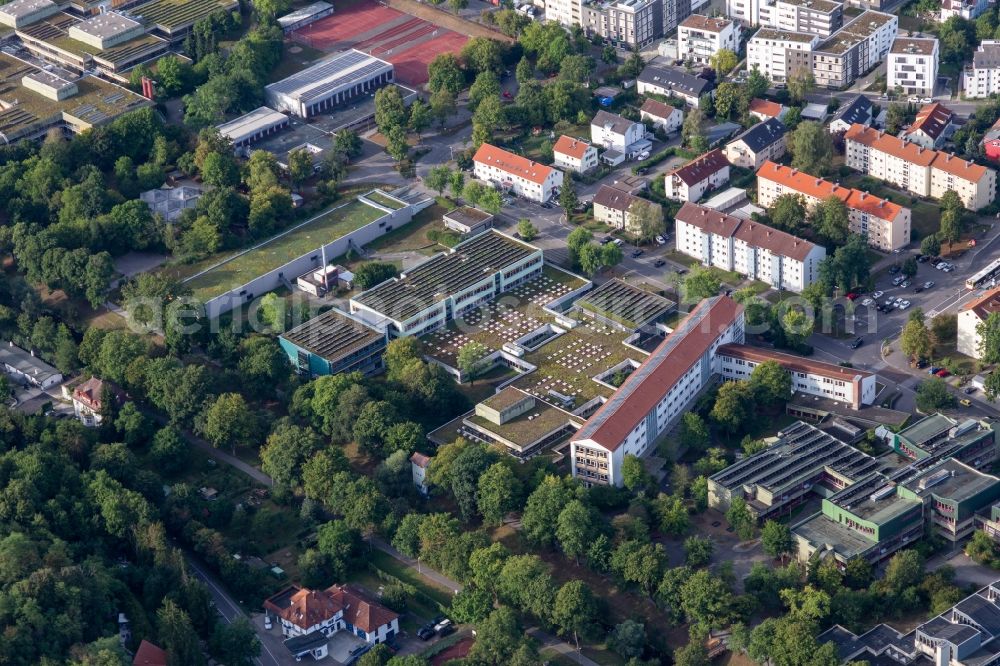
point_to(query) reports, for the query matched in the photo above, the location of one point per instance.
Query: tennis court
(409, 43)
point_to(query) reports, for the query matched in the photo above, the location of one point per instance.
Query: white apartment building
(924, 172)
(825, 380)
(612, 132)
(970, 316)
(814, 17)
(702, 174)
(885, 224)
(668, 118)
(525, 178)
(763, 253)
(565, 12)
(700, 37)
(982, 77)
(574, 155)
(778, 54)
(854, 49)
(913, 65)
(967, 9)
(655, 395)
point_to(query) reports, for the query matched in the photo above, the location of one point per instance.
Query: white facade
(667, 118)
(967, 9)
(774, 52)
(913, 66)
(700, 37)
(522, 176)
(815, 17)
(854, 49)
(981, 78)
(970, 316)
(749, 248)
(330, 83)
(613, 132)
(691, 181)
(656, 394)
(574, 155)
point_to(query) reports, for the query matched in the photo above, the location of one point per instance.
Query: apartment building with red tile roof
(921, 171)
(524, 177)
(970, 316)
(574, 154)
(886, 225)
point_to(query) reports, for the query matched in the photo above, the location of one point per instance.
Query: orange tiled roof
(569, 146)
(513, 164)
(765, 107)
(985, 305)
(932, 119)
(818, 188)
(890, 144)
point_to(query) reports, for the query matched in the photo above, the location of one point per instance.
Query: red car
(851, 296)
(942, 373)
(507, 95)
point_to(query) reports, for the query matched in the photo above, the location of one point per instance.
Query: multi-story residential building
(885, 224)
(982, 77)
(565, 12)
(574, 155)
(523, 177)
(611, 206)
(702, 174)
(913, 66)
(656, 393)
(626, 23)
(926, 173)
(814, 17)
(967, 9)
(854, 49)
(778, 54)
(859, 110)
(612, 132)
(662, 80)
(763, 253)
(930, 128)
(429, 295)
(700, 37)
(970, 316)
(668, 118)
(762, 142)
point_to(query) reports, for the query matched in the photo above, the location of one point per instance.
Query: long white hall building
(706, 346)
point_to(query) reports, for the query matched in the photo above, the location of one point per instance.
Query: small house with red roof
(88, 400)
(419, 464)
(763, 109)
(149, 654)
(574, 154)
(308, 618)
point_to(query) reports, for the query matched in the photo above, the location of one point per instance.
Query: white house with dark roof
(859, 110)
(930, 128)
(702, 174)
(613, 132)
(762, 142)
(750, 248)
(574, 154)
(611, 206)
(668, 118)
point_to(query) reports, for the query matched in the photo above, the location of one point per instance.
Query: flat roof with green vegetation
(528, 428)
(512, 315)
(384, 199)
(175, 14)
(629, 306)
(281, 249)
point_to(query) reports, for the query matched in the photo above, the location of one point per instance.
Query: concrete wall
(310, 261)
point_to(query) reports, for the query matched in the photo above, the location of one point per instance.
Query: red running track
(344, 26)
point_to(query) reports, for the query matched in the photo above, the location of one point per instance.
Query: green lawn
(268, 256)
(384, 200)
(390, 565)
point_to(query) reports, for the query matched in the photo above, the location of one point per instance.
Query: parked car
(932, 370)
(426, 632)
(969, 390)
(928, 284)
(926, 100)
(867, 302)
(965, 402)
(898, 280)
(918, 289)
(661, 240)
(606, 240)
(618, 241)
(447, 630)
(659, 262)
(851, 296)
(267, 622)
(857, 342)
(923, 259)
(903, 305)
(681, 271)
(636, 253)
(948, 269)
(942, 373)
(922, 363)
(894, 269)
(878, 294)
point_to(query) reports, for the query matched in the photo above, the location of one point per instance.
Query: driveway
(967, 572)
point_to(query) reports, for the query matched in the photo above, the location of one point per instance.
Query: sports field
(409, 43)
(278, 251)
